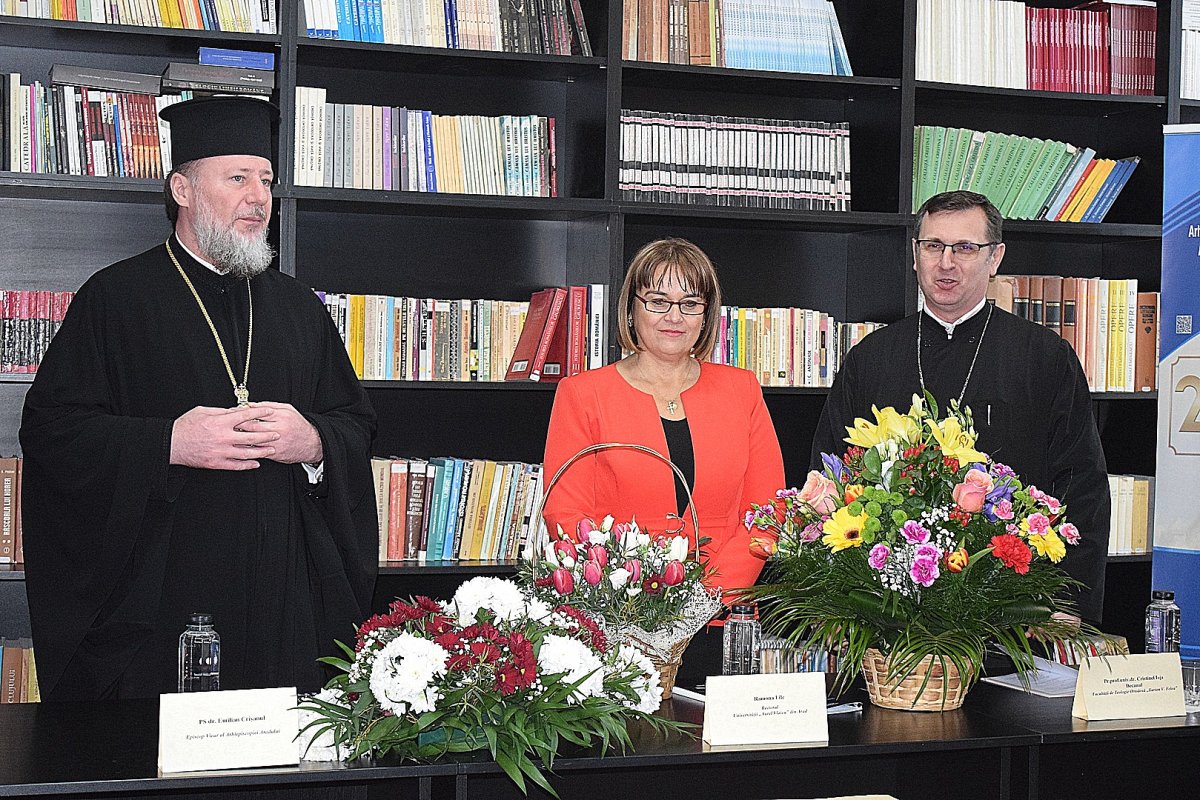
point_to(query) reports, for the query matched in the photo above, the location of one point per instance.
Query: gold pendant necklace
(240, 392)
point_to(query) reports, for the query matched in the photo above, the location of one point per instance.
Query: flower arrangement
(494, 668)
(643, 589)
(617, 572)
(915, 544)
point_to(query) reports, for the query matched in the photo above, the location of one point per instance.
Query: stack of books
(344, 145)
(564, 333)
(1111, 325)
(786, 346)
(1131, 515)
(777, 35)
(550, 27)
(1025, 178)
(450, 509)
(1097, 47)
(734, 161)
(239, 16)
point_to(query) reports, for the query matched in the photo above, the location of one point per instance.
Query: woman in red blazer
(709, 419)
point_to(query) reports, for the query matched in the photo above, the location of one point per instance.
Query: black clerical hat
(221, 126)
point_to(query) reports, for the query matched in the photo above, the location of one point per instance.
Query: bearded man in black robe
(196, 441)
(1024, 384)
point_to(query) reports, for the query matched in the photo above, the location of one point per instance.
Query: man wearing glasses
(1023, 383)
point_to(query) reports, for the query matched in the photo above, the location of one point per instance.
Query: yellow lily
(889, 424)
(955, 442)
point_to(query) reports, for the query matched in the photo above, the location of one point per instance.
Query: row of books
(786, 346)
(565, 332)
(1025, 178)
(422, 339)
(551, 27)
(29, 318)
(344, 145)
(1131, 515)
(18, 673)
(446, 509)
(1097, 47)
(1111, 325)
(1189, 60)
(777, 35)
(240, 16)
(734, 161)
(11, 551)
(73, 130)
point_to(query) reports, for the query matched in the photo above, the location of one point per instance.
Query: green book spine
(971, 160)
(1035, 156)
(987, 150)
(1031, 197)
(962, 143)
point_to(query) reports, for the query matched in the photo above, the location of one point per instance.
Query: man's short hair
(172, 208)
(962, 200)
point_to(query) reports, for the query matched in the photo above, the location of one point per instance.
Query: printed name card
(227, 730)
(765, 709)
(1129, 687)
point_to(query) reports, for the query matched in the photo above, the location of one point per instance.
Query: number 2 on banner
(1184, 402)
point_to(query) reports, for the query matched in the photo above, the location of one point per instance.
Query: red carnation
(1013, 552)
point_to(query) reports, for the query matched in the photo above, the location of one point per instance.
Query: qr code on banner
(1183, 324)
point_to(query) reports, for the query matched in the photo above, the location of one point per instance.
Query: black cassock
(1031, 406)
(121, 546)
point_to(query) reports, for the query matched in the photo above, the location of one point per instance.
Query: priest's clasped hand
(298, 440)
(236, 438)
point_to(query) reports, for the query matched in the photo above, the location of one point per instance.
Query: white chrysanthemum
(503, 598)
(320, 746)
(571, 656)
(647, 685)
(537, 609)
(403, 675)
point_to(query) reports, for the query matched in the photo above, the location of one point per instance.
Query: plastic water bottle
(1162, 623)
(199, 656)
(740, 645)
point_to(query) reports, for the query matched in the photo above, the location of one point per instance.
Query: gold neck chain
(240, 392)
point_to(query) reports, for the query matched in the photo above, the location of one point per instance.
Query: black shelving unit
(854, 265)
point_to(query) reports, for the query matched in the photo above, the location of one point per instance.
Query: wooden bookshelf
(853, 265)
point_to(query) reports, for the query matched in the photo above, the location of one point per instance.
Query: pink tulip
(599, 554)
(673, 574)
(585, 527)
(564, 581)
(634, 567)
(564, 549)
(592, 573)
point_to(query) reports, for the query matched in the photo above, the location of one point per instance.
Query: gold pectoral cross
(242, 394)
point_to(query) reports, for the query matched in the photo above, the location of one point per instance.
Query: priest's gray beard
(229, 251)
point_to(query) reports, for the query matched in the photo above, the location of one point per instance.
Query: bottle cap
(1162, 594)
(198, 618)
(743, 608)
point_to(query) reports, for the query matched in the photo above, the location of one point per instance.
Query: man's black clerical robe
(121, 546)
(1031, 406)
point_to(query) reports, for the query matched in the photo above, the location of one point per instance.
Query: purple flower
(1002, 471)
(927, 551)
(812, 531)
(914, 532)
(924, 571)
(880, 553)
(749, 522)
(783, 494)
(833, 466)
(1002, 492)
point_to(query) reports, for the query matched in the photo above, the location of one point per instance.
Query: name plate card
(765, 709)
(227, 730)
(1129, 687)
